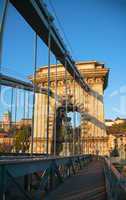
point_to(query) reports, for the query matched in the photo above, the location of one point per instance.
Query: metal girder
(24, 166)
(38, 17)
(16, 83)
(11, 170)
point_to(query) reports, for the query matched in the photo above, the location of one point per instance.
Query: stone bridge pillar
(90, 105)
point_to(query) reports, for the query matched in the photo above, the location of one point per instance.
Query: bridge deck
(88, 184)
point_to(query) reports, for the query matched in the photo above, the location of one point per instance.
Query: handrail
(48, 170)
(115, 182)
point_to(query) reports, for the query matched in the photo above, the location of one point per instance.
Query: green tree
(21, 139)
(1, 129)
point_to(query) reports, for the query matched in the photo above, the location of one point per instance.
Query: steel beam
(12, 169)
(23, 166)
(38, 17)
(16, 83)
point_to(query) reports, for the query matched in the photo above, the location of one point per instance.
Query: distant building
(7, 132)
(6, 121)
(118, 120)
(120, 137)
(109, 122)
(6, 124)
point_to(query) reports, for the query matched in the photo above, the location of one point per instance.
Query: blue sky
(96, 30)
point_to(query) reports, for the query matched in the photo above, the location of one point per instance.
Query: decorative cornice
(88, 69)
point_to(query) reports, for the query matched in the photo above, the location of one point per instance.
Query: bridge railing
(30, 177)
(115, 182)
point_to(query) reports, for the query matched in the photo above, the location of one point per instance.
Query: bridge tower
(90, 105)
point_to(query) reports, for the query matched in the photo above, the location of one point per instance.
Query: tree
(1, 129)
(21, 139)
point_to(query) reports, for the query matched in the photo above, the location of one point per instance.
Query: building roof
(118, 118)
(108, 120)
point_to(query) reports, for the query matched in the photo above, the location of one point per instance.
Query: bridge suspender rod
(66, 110)
(34, 89)
(83, 119)
(2, 27)
(74, 115)
(79, 131)
(28, 106)
(28, 116)
(48, 100)
(55, 125)
(11, 108)
(24, 104)
(16, 108)
(97, 126)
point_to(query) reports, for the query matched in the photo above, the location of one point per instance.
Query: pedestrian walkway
(88, 184)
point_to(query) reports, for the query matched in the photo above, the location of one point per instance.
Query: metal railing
(115, 182)
(30, 177)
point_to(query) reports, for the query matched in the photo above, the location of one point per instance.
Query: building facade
(118, 137)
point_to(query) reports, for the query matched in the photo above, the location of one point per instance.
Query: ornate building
(117, 136)
(93, 137)
(6, 121)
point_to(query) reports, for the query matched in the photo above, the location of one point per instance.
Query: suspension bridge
(45, 155)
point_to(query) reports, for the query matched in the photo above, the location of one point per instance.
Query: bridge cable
(24, 104)
(66, 110)
(2, 29)
(74, 115)
(48, 98)
(61, 27)
(34, 90)
(83, 117)
(28, 116)
(97, 125)
(55, 125)
(41, 118)
(79, 127)
(16, 106)
(79, 133)
(11, 106)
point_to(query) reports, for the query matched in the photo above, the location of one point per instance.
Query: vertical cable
(55, 125)
(78, 101)
(28, 118)
(11, 110)
(2, 26)
(15, 114)
(36, 128)
(44, 130)
(28, 102)
(80, 121)
(66, 98)
(97, 125)
(24, 105)
(41, 119)
(48, 100)
(34, 90)
(83, 135)
(74, 115)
